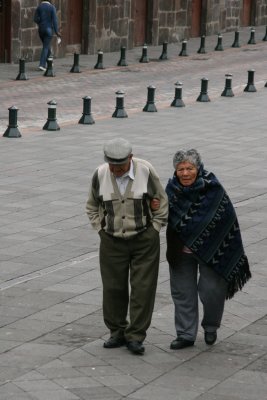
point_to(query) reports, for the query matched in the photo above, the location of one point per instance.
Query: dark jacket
(45, 17)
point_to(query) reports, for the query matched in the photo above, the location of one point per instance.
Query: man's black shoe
(136, 347)
(114, 342)
(180, 343)
(210, 337)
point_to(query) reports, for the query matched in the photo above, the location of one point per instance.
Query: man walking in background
(46, 18)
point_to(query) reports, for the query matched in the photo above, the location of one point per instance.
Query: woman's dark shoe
(210, 337)
(136, 347)
(114, 342)
(180, 343)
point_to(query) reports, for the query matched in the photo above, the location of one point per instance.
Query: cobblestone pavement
(51, 327)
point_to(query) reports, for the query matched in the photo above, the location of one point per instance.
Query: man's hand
(154, 204)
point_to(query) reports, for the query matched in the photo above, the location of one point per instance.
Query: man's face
(120, 169)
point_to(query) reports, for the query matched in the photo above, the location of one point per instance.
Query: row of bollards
(144, 57)
(22, 76)
(51, 124)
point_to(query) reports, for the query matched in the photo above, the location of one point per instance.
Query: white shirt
(122, 181)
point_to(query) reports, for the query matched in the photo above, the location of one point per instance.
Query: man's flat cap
(117, 151)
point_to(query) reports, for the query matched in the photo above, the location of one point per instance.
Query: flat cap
(117, 151)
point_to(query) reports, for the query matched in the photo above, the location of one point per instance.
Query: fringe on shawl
(239, 277)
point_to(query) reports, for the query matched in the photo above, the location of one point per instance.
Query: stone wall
(213, 17)
(174, 20)
(109, 25)
(230, 19)
(261, 13)
(226, 15)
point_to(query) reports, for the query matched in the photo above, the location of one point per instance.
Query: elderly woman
(204, 249)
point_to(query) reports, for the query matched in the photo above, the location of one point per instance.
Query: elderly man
(119, 208)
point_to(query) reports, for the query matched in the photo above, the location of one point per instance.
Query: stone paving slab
(243, 384)
(51, 326)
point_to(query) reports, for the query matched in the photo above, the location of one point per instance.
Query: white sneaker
(41, 68)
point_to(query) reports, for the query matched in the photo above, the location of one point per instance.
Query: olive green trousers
(129, 271)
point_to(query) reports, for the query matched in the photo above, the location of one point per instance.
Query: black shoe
(136, 347)
(114, 342)
(210, 337)
(180, 343)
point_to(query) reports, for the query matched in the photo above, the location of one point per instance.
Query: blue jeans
(46, 38)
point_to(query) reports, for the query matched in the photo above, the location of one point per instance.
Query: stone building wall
(261, 12)
(109, 25)
(226, 15)
(172, 21)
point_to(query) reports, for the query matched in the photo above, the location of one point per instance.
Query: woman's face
(186, 172)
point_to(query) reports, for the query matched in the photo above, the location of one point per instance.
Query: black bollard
(87, 118)
(119, 110)
(219, 46)
(12, 129)
(183, 52)
(203, 96)
(265, 36)
(227, 92)
(122, 62)
(202, 49)
(49, 70)
(178, 102)
(150, 105)
(164, 54)
(99, 63)
(265, 84)
(236, 40)
(75, 68)
(51, 123)
(22, 74)
(144, 58)
(252, 37)
(250, 85)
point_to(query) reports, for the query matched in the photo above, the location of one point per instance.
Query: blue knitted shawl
(204, 218)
